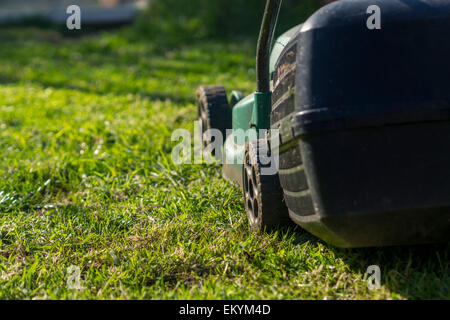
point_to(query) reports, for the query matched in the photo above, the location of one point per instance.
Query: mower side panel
(234, 148)
(242, 113)
(378, 186)
(232, 171)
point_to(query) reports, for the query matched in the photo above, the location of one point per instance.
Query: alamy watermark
(189, 148)
(374, 21)
(374, 279)
(74, 278)
(73, 22)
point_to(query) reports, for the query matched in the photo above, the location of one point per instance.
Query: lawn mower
(362, 119)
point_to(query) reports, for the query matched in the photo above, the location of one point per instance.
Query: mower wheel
(214, 111)
(264, 203)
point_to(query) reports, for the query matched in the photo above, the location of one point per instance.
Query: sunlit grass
(87, 180)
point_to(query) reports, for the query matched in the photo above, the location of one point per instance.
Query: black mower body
(364, 119)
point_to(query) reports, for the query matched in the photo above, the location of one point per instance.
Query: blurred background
(95, 12)
(124, 43)
(177, 19)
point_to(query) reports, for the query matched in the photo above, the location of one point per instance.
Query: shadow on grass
(413, 272)
(417, 272)
(7, 79)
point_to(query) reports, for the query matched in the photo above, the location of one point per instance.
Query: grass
(87, 181)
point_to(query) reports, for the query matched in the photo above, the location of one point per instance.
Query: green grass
(87, 180)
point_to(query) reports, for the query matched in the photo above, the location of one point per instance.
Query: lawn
(87, 182)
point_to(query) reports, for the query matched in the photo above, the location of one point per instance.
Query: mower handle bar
(264, 44)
